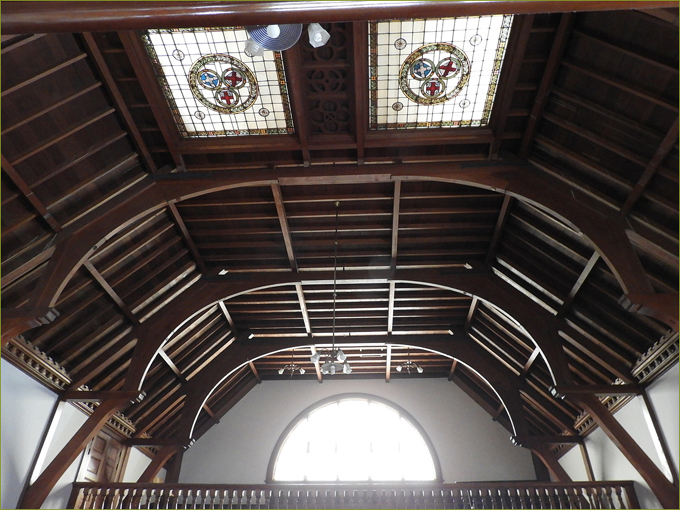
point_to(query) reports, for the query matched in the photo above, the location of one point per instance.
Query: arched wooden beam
(458, 347)
(541, 326)
(605, 230)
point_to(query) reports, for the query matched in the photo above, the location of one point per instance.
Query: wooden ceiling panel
(83, 125)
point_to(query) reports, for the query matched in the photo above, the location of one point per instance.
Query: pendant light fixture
(292, 367)
(281, 37)
(409, 365)
(334, 360)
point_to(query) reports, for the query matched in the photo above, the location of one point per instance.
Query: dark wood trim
(303, 308)
(283, 221)
(517, 47)
(549, 73)
(227, 315)
(158, 462)
(42, 75)
(16, 321)
(96, 396)
(388, 364)
(390, 308)
(110, 83)
(596, 389)
(527, 441)
(554, 467)
(28, 17)
(253, 369)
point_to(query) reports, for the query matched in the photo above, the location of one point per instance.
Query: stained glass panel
(214, 88)
(435, 73)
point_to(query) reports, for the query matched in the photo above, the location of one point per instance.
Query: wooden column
(36, 493)
(663, 489)
(158, 462)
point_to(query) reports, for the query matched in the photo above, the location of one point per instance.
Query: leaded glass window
(213, 88)
(433, 73)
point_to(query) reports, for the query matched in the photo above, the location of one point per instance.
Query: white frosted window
(354, 440)
(432, 73)
(213, 88)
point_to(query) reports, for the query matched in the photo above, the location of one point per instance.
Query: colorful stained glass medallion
(213, 88)
(442, 72)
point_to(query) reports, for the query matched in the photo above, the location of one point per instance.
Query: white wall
(607, 460)
(469, 444)
(26, 407)
(137, 463)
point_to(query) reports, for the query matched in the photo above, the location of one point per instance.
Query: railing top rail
(359, 486)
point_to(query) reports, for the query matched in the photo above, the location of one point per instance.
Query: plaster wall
(470, 446)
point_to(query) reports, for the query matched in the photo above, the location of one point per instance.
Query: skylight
(435, 73)
(213, 88)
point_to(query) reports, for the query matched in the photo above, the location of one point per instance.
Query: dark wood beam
(663, 489)
(388, 364)
(42, 75)
(664, 149)
(158, 462)
(296, 88)
(549, 73)
(544, 453)
(530, 363)
(253, 369)
(152, 90)
(303, 308)
(664, 15)
(659, 440)
(517, 47)
(452, 371)
(187, 237)
(579, 283)
(471, 313)
(396, 204)
(319, 376)
(227, 315)
(29, 17)
(390, 307)
(360, 75)
(586, 462)
(150, 441)
(498, 229)
(210, 413)
(596, 389)
(663, 307)
(285, 231)
(528, 441)
(111, 293)
(16, 321)
(171, 364)
(36, 493)
(174, 467)
(233, 399)
(96, 396)
(28, 194)
(121, 106)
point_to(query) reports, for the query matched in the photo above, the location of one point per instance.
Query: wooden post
(174, 467)
(36, 493)
(663, 489)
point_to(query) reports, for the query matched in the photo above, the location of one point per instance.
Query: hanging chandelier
(409, 365)
(334, 360)
(292, 367)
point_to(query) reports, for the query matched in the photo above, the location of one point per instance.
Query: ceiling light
(409, 365)
(317, 35)
(292, 367)
(333, 359)
(281, 37)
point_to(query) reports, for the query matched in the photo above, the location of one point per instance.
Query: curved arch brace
(483, 284)
(202, 386)
(523, 181)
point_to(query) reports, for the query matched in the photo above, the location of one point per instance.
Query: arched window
(351, 438)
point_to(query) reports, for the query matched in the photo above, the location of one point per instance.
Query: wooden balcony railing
(456, 495)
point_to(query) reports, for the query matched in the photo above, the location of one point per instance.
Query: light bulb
(332, 368)
(253, 49)
(273, 31)
(399, 368)
(315, 357)
(341, 356)
(280, 371)
(317, 35)
(346, 369)
(420, 370)
(302, 371)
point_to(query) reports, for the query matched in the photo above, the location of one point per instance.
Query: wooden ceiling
(541, 249)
